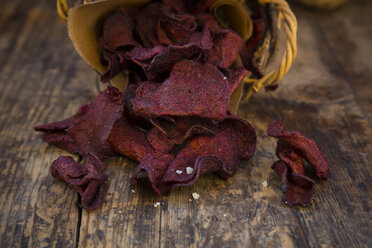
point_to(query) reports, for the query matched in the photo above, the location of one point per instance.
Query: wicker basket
(85, 22)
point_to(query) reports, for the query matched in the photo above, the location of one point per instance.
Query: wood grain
(39, 84)
(324, 96)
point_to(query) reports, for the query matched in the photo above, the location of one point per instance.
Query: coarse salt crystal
(189, 170)
(195, 195)
(119, 212)
(224, 78)
(264, 183)
(133, 191)
(224, 215)
(178, 172)
(156, 204)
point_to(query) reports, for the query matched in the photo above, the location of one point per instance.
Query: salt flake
(179, 172)
(195, 195)
(189, 170)
(264, 183)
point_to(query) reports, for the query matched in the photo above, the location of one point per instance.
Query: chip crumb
(195, 195)
(133, 191)
(264, 183)
(189, 170)
(156, 204)
(179, 172)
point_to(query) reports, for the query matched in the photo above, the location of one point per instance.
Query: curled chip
(221, 153)
(87, 179)
(155, 164)
(235, 76)
(192, 89)
(297, 189)
(291, 158)
(88, 130)
(203, 154)
(159, 141)
(302, 145)
(164, 62)
(118, 31)
(226, 47)
(179, 129)
(129, 140)
(292, 147)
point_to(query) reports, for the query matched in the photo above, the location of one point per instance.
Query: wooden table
(327, 95)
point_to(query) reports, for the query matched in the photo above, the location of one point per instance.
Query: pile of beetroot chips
(173, 116)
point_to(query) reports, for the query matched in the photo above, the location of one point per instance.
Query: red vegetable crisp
(291, 149)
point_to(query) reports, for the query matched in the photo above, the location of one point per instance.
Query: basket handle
(290, 28)
(62, 8)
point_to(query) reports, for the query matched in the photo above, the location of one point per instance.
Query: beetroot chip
(235, 76)
(155, 165)
(202, 155)
(162, 35)
(146, 21)
(118, 31)
(208, 20)
(175, 5)
(297, 189)
(116, 63)
(221, 153)
(179, 129)
(177, 25)
(301, 145)
(56, 134)
(191, 89)
(164, 62)
(143, 56)
(291, 158)
(159, 141)
(200, 6)
(226, 47)
(88, 130)
(129, 140)
(87, 179)
(249, 62)
(246, 136)
(247, 55)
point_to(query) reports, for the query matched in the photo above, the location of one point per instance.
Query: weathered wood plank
(38, 85)
(349, 35)
(42, 79)
(126, 218)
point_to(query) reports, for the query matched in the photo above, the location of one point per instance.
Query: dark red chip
(87, 179)
(297, 189)
(303, 146)
(193, 89)
(88, 130)
(226, 47)
(118, 31)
